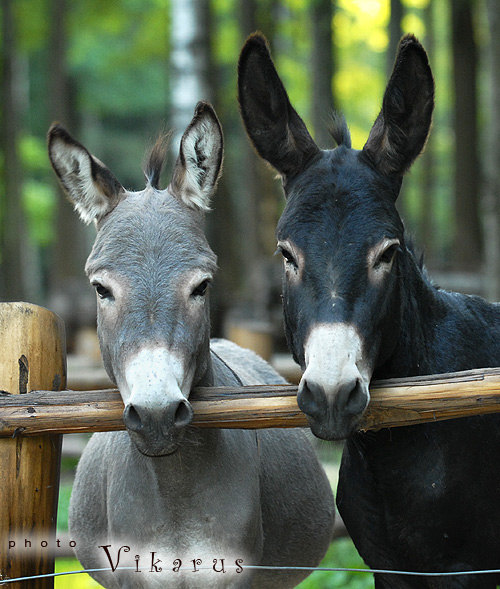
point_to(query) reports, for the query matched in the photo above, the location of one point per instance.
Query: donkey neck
(421, 311)
(440, 331)
(217, 372)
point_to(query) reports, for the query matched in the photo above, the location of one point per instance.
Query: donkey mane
(156, 160)
(339, 130)
(419, 256)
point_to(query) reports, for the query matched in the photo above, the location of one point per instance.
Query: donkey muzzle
(156, 410)
(333, 392)
(157, 431)
(333, 412)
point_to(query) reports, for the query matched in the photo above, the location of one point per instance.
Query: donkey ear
(90, 186)
(400, 131)
(274, 127)
(198, 166)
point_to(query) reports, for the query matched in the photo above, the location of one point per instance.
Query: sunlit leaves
(362, 22)
(412, 22)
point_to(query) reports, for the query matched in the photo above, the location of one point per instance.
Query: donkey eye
(288, 257)
(387, 256)
(102, 291)
(201, 289)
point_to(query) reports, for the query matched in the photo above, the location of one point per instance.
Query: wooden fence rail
(393, 403)
(32, 421)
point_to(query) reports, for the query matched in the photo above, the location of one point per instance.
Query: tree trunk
(267, 17)
(251, 194)
(322, 70)
(395, 33)
(190, 62)
(492, 192)
(13, 235)
(192, 76)
(69, 294)
(467, 243)
(428, 163)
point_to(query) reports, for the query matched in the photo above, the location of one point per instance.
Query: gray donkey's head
(151, 267)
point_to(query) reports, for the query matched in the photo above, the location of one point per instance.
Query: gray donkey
(178, 505)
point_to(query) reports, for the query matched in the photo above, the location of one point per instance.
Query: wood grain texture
(33, 357)
(393, 403)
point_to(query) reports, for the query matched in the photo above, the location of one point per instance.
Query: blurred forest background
(117, 72)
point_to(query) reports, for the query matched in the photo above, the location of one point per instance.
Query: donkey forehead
(340, 200)
(151, 230)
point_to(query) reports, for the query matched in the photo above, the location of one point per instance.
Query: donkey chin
(331, 427)
(163, 445)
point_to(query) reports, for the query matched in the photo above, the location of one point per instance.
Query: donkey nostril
(356, 400)
(183, 414)
(132, 418)
(312, 399)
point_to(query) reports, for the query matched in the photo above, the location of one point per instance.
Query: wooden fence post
(32, 356)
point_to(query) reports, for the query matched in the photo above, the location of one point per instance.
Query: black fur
(339, 130)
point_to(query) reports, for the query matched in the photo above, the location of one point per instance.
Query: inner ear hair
(401, 129)
(198, 166)
(89, 185)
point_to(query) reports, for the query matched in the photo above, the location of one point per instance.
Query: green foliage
(39, 206)
(39, 199)
(119, 53)
(79, 581)
(341, 554)
(32, 23)
(227, 38)
(62, 507)
(68, 469)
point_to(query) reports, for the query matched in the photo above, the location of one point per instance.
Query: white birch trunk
(189, 62)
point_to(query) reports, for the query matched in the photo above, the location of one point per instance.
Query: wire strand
(61, 574)
(275, 568)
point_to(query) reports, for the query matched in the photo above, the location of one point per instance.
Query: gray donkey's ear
(199, 163)
(90, 186)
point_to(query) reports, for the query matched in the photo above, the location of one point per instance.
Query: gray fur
(163, 486)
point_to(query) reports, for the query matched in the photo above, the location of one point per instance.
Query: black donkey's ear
(274, 127)
(401, 129)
